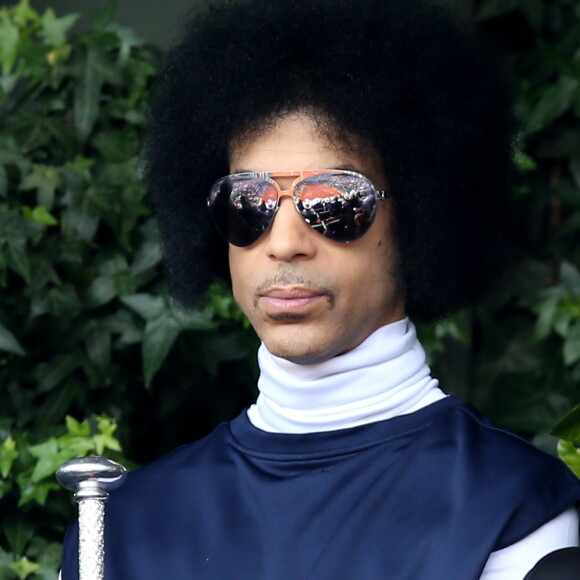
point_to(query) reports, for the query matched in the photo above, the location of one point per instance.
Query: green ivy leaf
(147, 306)
(562, 320)
(64, 301)
(19, 533)
(147, 257)
(45, 180)
(98, 344)
(555, 100)
(117, 146)
(9, 343)
(6, 560)
(160, 334)
(39, 215)
(9, 43)
(36, 492)
(55, 30)
(103, 17)
(8, 453)
(19, 260)
(24, 568)
(223, 304)
(80, 219)
(572, 344)
(569, 427)
(24, 14)
(190, 319)
(103, 442)
(58, 369)
(524, 162)
(46, 454)
(128, 39)
(546, 310)
(101, 291)
(77, 428)
(47, 555)
(128, 326)
(113, 266)
(570, 454)
(570, 278)
(88, 93)
(106, 439)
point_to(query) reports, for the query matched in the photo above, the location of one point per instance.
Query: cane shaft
(91, 539)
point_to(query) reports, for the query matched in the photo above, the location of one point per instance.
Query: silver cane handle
(91, 478)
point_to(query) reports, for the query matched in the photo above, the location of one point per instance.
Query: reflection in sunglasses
(339, 204)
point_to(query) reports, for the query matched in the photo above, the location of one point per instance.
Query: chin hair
(306, 358)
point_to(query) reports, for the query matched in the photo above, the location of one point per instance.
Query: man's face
(310, 298)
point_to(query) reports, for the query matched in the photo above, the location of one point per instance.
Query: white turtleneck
(385, 376)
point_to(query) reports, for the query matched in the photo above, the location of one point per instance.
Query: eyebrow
(340, 166)
(348, 167)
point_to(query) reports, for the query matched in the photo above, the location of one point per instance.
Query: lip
(288, 299)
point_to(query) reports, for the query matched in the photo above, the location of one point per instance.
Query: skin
(309, 298)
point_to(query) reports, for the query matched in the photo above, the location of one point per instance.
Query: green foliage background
(94, 358)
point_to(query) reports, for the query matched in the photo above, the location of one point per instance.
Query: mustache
(290, 279)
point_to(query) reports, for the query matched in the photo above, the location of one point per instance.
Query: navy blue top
(425, 496)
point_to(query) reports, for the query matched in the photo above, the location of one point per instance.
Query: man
(382, 129)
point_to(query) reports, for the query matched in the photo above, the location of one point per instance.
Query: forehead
(298, 141)
(291, 139)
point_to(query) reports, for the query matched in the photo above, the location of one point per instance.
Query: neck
(385, 376)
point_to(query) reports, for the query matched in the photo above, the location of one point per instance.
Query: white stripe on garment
(515, 561)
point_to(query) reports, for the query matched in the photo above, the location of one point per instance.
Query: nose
(289, 238)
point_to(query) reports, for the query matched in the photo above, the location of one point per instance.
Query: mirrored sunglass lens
(243, 208)
(340, 206)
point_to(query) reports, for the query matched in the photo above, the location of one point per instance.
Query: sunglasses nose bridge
(290, 192)
(283, 193)
(284, 182)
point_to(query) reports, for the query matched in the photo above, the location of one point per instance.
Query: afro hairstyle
(406, 77)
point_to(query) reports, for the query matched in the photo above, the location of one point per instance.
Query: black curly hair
(405, 77)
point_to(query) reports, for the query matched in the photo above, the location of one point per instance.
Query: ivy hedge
(94, 358)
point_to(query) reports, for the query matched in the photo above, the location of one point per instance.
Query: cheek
(385, 246)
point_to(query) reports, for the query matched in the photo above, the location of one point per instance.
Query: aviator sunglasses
(339, 204)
